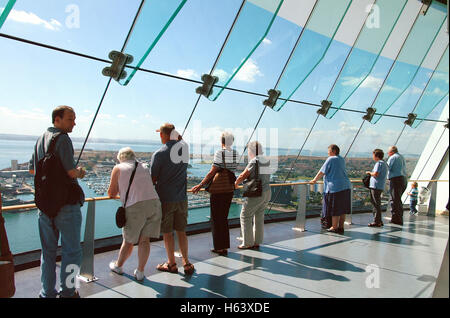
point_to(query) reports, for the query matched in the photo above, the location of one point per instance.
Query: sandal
(166, 267)
(375, 224)
(188, 269)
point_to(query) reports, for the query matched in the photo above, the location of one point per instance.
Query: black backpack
(51, 183)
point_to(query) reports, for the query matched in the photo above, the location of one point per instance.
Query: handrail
(33, 206)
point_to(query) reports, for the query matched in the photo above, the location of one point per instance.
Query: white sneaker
(116, 269)
(139, 275)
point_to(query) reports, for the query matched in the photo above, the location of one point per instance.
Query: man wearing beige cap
(169, 174)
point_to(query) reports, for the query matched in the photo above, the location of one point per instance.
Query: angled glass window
(435, 92)
(314, 43)
(5, 8)
(411, 57)
(366, 51)
(154, 18)
(250, 29)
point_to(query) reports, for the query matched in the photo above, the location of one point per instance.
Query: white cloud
(248, 72)
(415, 90)
(121, 116)
(189, 73)
(372, 82)
(267, 41)
(221, 74)
(438, 91)
(31, 18)
(10, 115)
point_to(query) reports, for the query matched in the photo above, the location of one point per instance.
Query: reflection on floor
(392, 261)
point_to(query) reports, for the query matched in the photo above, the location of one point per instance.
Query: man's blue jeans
(68, 224)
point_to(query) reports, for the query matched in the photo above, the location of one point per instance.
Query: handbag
(223, 180)
(121, 219)
(253, 188)
(366, 180)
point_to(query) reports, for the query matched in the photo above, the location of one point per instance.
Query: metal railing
(87, 264)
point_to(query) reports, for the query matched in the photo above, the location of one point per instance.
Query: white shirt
(141, 189)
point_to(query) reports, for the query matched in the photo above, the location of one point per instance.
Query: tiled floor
(392, 261)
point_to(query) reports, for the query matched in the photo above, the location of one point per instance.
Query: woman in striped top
(220, 202)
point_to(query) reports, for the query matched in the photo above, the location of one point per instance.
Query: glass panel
(154, 18)
(5, 8)
(410, 58)
(366, 52)
(250, 29)
(85, 26)
(313, 45)
(23, 118)
(436, 91)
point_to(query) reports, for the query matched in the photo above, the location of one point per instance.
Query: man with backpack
(59, 198)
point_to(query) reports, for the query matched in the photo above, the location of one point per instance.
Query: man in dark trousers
(397, 183)
(67, 222)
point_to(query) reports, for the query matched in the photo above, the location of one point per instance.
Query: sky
(37, 79)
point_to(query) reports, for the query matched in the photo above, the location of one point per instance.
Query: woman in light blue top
(336, 196)
(377, 182)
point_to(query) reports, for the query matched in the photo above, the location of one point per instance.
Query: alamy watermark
(73, 18)
(373, 279)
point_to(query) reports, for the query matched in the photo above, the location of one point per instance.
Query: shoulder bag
(223, 180)
(120, 214)
(366, 180)
(253, 188)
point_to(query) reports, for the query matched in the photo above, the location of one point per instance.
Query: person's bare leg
(341, 221)
(143, 252)
(183, 243)
(169, 244)
(125, 251)
(334, 222)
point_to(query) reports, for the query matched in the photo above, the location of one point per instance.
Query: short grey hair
(227, 138)
(393, 149)
(252, 146)
(126, 154)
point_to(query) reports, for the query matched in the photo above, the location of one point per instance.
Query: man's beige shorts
(143, 219)
(174, 216)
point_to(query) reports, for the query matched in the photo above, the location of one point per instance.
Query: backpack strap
(51, 147)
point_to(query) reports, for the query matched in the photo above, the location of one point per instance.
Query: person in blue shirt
(336, 192)
(413, 194)
(169, 174)
(397, 183)
(378, 177)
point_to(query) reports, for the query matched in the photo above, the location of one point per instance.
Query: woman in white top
(143, 210)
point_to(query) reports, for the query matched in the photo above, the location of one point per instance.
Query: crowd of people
(155, 199)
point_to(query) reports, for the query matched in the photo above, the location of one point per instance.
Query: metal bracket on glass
(326, 104)
(369, 114)
(411, 118)
(273, 97)
(208, 83)
(425, 6)
(116, 70)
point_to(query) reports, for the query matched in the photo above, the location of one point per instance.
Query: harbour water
(22, 228)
